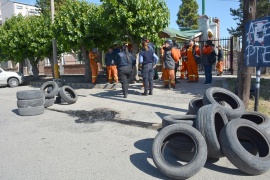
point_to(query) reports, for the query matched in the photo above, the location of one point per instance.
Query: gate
(227, 47)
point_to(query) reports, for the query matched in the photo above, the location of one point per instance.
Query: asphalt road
(60, 145)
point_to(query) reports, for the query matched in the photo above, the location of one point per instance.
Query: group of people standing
(120, 64)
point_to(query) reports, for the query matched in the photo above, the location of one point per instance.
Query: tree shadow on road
(140, 160)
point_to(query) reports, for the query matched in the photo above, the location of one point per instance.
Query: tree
(45, 6)
(28, 37)
(188, 14)
(79, 25)
(262, 10)
(135, 19)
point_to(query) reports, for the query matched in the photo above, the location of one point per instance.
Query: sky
(213, 8)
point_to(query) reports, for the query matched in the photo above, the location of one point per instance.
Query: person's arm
(117, 60)
(156, 59)
(140, 58)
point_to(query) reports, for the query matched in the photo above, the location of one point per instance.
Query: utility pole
(244, 72)
(203, 7)
(55, 61)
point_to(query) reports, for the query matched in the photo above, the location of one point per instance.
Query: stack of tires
(216, 125)
(52, 90)
(30, 102)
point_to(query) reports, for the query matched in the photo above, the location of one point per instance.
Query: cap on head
(144, 39)
(169, 41)
(196, 44)
(94, 50)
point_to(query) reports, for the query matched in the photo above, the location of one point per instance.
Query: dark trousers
(208, 73)
(124, 74)
(175, 70)
(148, 75)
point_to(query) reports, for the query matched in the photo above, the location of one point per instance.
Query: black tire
(48, 102)
(30, 103)
(192, 167)
(68, 94)
(194, 105)
(50, 89)
(230, 137)
(258, 118)
(210, 120)
(29, 94)
(235, 107)
(184, 156)
(31, 111)
(13, 82)
(176, 119)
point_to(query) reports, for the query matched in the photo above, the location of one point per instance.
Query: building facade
(12, 8)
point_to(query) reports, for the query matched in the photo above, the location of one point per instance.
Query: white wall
(7, 10)
(10, 8)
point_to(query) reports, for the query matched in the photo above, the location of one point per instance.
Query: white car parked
(13, 79)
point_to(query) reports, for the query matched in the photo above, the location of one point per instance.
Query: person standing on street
(111, 67)
(207, 50)
(184, 61)
(171, 56)
(176, 46)
(124, 62)
(192, 65)
(93, 56)
(148, 59)
(219, 65)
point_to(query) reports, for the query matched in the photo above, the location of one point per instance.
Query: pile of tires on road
(215, 126)
(33, 102)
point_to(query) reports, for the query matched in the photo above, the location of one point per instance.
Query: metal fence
(227, 47)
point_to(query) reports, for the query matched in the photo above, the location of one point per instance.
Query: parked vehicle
(13, 79)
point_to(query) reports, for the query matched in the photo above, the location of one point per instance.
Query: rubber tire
(175, 119)
(258, 118)
(48, 102)
(235, 108)
(30, 103)
(184, 156)
(196, 103)
(31, 111)
(237, 154)
(210, 120)
(29, 94)
(11, 80)
(48, 92)
(63, 95)
(192, 167)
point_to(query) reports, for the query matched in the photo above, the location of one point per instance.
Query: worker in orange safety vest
(192, 65)
(183, 70)
(93, 56)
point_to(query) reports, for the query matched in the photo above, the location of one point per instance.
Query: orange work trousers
(193, 72)
(169, 77)
(219, 67)
(183, 70)
(94, 70)
(112, 74)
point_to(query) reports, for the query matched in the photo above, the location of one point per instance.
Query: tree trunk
(87, 74)
(52, 64)
(35, 70)
(244, 72)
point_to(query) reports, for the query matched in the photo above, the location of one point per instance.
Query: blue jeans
(208, 73)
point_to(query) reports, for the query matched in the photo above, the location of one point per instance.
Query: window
(19, 7)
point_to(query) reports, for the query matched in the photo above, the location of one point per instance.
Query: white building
(10, 8)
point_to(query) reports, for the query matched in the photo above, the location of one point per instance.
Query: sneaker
(206, 83)
(172, 87)
(144, 94)
(125, 95)
(150, 92)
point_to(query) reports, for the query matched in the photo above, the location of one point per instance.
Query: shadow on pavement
(113, 95)
(222, 169)
(15, 111)
(140, 160)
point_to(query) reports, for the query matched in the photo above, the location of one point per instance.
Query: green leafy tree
(79, 26)
(135, 19)
(188, 14)
(45, 6)
(263, 9)
(26, 38)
